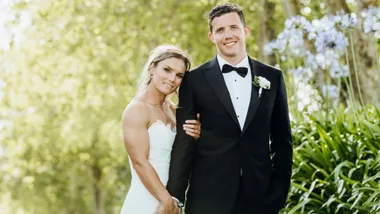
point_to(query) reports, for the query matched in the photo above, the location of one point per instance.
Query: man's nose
(228, 33)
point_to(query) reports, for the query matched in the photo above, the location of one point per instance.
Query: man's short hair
(222, 9)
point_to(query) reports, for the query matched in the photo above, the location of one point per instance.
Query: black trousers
(243, 206)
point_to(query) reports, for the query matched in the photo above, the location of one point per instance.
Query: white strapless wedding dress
(139, 200)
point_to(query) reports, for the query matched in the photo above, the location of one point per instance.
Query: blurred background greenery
(69, 67)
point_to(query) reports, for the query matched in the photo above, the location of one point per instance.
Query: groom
(242, 162)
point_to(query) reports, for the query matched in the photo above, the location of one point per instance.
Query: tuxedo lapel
(215, 77)
(255, 100)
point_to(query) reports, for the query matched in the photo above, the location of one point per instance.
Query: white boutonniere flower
(261, 83)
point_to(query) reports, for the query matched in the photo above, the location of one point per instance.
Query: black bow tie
(242, 71)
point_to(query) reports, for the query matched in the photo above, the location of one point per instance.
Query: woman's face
(168, 74)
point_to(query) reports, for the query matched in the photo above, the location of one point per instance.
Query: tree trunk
(98, 196)
(334, 6)
(266, 32)
(365, 53)
(291, 7)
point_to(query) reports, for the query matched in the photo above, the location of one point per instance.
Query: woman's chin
(167, 91)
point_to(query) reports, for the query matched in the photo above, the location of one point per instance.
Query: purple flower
(291, 39)
(310, 60)
(346, 21)
(297, 22)
(338, 71)
(330, 39)
(372, 21)
(331, 91)
(302, 74)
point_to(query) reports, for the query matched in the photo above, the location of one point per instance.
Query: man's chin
(230, 55)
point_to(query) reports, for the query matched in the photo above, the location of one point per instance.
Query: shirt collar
(242, 63)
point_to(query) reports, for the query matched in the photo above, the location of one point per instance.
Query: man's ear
(247, 29)
(211, 37)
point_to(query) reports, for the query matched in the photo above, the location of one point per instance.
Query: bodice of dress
(161, 139)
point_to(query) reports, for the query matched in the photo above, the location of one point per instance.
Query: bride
(149, 131)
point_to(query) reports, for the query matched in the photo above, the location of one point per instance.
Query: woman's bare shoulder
(135, 113)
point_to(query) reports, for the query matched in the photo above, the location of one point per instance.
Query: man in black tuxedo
(242, 162)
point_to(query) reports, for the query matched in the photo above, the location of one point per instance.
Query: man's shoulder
(202, 67)
(267, 67)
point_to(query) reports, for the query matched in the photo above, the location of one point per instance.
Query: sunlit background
(69, 67)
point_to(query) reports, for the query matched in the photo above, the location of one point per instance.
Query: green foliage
(336, 163)
(69, 80)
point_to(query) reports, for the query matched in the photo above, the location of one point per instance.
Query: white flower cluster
(331, 39)
(346, 21)
(307, 97)
(320, 25)
(331, 91)
(327, 34)
(302, 74)
(263, 83)
(330, 60)
(291, 39)
(337, 70)
(324, 31)
(372, 21)
(310, 60)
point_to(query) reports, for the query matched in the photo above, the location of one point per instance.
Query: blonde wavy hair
(157, 55)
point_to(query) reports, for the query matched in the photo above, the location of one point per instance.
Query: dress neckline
(168, 126)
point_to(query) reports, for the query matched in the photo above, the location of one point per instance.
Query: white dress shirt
(239, 88)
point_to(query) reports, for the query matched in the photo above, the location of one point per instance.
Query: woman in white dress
(149, 131)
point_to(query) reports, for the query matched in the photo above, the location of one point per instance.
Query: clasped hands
(170, 206)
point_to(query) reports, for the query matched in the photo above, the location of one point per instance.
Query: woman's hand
(193, 127)
(168, 207)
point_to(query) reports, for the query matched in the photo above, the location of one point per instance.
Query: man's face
(228, 34)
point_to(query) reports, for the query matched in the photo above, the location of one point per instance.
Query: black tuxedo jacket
(259, 157)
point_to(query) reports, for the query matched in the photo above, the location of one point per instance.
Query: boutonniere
(261, 83)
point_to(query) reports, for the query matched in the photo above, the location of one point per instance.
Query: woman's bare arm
(136, 141)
